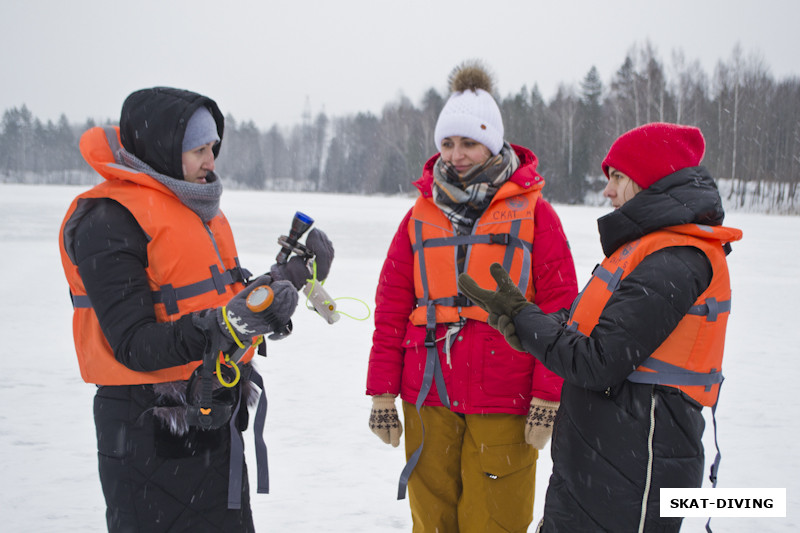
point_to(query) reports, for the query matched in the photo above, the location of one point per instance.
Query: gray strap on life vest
(612, 279)
(433, 365)
(711, 309)
(511, 240)
(715, 465)
(668, 374)
(236, 462)
(461, 240)
(433, 354)
(170, 296)
(236, 459)
(433, 369)
(514, 242)
(425, 388)
(432, 357)
(612, 282)
(449, 301)
(258, 430)
(573, 326)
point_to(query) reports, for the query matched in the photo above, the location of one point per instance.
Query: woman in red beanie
(641, 349)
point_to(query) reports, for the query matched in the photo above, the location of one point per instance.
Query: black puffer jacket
(153, 480)
(599, 446)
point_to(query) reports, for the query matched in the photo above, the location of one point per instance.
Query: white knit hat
(471, 111)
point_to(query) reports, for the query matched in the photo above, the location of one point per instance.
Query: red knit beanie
(648, 153)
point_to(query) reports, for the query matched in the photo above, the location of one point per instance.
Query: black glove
(239, 324)
(502, 305)
(296, 268)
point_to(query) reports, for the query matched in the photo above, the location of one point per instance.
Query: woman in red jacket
(482, 409)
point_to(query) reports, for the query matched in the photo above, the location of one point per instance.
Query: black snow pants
(155, 481)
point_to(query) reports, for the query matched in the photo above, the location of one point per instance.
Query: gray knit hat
(201, 129)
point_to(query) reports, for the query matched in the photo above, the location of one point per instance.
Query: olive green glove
(502, 305)
(539, 426)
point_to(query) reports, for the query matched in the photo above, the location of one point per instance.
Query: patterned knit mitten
(383, 419)
(539, 425)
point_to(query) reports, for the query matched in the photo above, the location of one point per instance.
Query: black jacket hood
(153, 121)
(689, 195)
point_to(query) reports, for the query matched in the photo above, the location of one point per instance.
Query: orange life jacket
(503, 234)
(690, 359)
(208, 278)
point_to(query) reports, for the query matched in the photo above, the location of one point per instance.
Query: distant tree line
(750, 120)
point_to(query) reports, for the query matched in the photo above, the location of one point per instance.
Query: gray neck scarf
(202, 198)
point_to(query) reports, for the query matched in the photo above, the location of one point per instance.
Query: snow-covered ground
(328, 472)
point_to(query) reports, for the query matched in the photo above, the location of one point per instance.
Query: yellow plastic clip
(235, 369)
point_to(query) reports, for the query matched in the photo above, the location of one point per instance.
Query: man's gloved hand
(297, 271)
(384, 421)
(539, 426)
(239, 324)
(502, 305)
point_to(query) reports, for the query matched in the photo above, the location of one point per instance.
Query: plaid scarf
(202, 198)
(464, 198)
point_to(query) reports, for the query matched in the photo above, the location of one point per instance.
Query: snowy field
(328, 472)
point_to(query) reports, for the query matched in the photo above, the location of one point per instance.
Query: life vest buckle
(499, 238)
(430, 338)
(461, 301)
(239, 274)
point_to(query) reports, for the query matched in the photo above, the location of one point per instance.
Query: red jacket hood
(525, 176)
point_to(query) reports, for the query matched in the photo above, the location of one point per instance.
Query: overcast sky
(268, 61)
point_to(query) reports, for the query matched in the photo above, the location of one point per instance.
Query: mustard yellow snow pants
(476, 473)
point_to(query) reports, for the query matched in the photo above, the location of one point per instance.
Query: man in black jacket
(624, 430)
